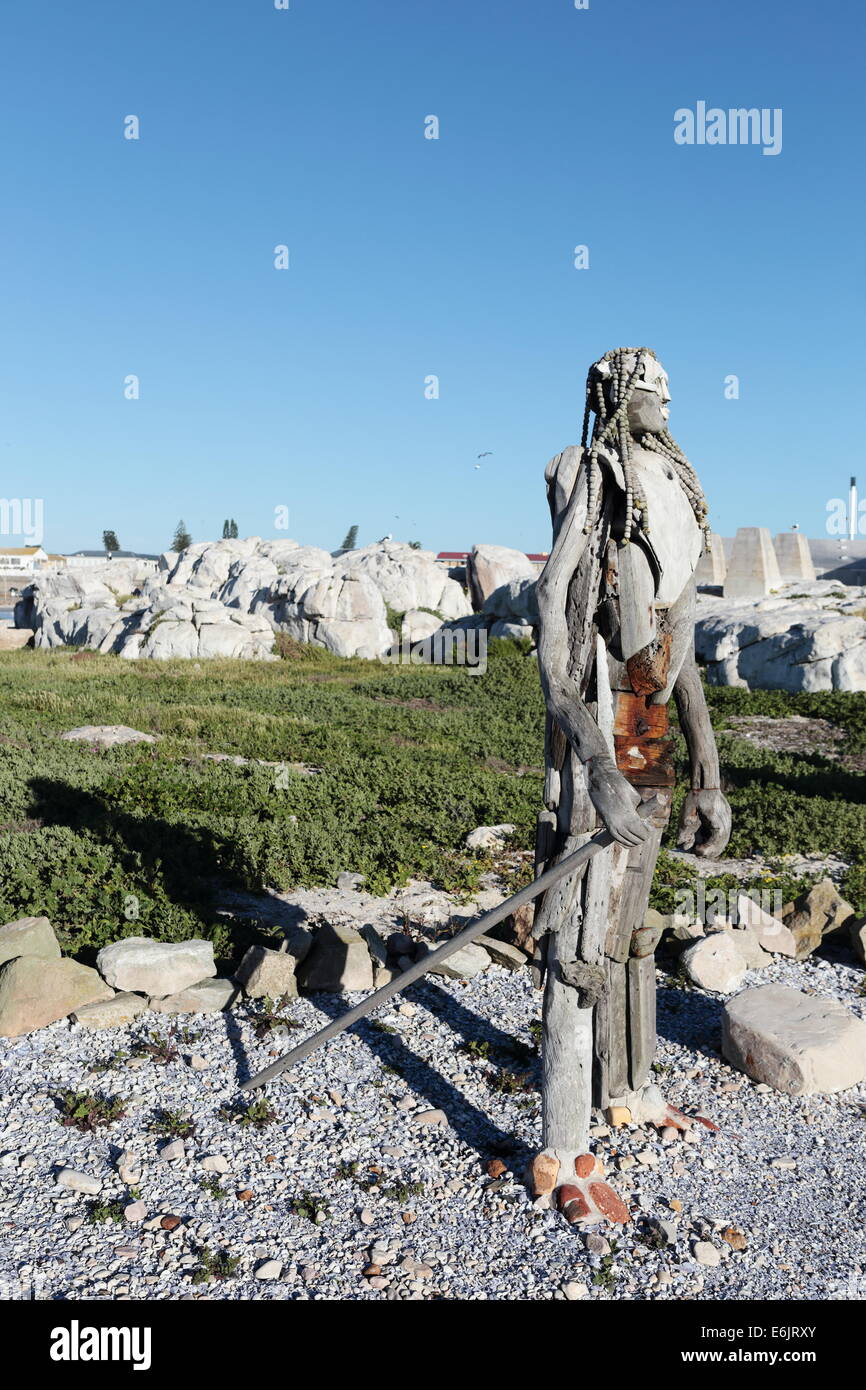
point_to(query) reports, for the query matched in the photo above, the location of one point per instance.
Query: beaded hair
(610, 428)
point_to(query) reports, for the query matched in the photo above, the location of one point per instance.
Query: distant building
(21, 559)
(456, 559)
(85, 559)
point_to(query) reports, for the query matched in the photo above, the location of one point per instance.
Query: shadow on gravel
(471, 1125)
(689, 1018)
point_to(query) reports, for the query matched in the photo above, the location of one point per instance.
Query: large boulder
(490, 567)
(801, 1044)
(157, 968)
(817, 914)
(35, 992)
(338, 961)
(206, 997)
(115, 1012)
(803, 637)
(715, 962)
(28, 936)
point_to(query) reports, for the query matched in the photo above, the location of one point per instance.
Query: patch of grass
(172, 1124)
(87, 1112)
(270, 1015)
(212, 1186)
(156, 1048)
(215, 1265)
(412, 759)
(401, 1191)
(255, 1114)
(605, 1277)
(100, 1212)
(314, 1208)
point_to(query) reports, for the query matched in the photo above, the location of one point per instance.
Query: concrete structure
(753, 568)
(794, 557)
(712, 566)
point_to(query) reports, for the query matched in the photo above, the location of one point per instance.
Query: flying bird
(487, 454)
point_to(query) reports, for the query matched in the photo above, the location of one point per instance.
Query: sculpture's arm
(705, 823)
(610, 793)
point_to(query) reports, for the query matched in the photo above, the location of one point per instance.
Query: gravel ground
(352, 1129)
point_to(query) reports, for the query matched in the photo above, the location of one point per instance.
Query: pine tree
(182, 538)
(350, 539)
(110, 541)
(226, 531)
(233, 529)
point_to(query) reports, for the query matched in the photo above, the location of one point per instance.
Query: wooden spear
(560, 870)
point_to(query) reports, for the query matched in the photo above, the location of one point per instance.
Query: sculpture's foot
(578, 1189)
(649, 1107)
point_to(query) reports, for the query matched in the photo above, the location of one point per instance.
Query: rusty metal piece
(648, 669)
(642, 742)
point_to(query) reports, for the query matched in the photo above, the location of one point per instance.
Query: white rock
(215, 1163)
(110, 1013)
(108, 735)
(706, 1254)
(156, 968)
(715, 963)
(772, 935)
(135, 1212)
(271, 1269)
(206, 997)
(78, 1182)
(574, 1291)
(169, 1152)
(797, 1043)
(469, 961)
(489, 836)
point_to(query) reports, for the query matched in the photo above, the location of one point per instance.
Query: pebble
(574, 1291)
(78, 1182)
(596, 1244)
(215, 1163)
(170, 1152)
(706, 1254)
(271, 1269)
(135, 1212)
(430, 1117)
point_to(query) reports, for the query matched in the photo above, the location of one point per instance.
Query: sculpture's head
(637, 374)
(627, 392)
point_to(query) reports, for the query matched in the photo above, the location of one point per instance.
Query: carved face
(648, 408)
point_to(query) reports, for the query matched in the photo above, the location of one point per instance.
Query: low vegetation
(144, 839)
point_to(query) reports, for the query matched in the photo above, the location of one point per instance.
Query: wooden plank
(617, 1004)
(641, 1018)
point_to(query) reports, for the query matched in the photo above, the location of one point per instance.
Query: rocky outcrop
(229, 598)
(801, 637)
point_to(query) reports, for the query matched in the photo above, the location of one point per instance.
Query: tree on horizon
(182, 538)
(110, 541)
(350, 539)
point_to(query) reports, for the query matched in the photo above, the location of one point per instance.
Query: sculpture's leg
(625, 1023)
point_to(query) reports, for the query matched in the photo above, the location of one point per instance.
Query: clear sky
(411, 257)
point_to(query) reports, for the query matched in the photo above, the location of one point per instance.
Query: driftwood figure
(616, 640)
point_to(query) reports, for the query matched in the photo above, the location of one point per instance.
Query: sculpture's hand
(705, 823)
(615, 800)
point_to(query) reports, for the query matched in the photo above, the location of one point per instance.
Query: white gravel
(365, 1100)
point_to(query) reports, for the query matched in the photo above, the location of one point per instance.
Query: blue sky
(411, 257)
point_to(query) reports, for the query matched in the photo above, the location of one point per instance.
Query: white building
(21, 560)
